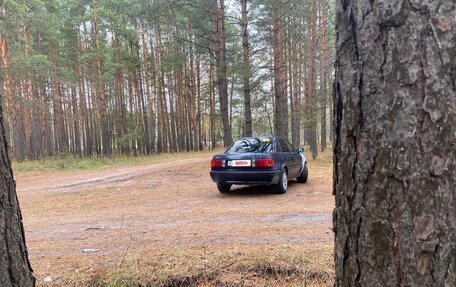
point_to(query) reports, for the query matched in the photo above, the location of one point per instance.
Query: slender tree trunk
(323, 77)
(47, 120)
(172, 113)
(94, 115)
(395, 152)
(179, 108)
(158, 91)
(212, 109)
(32, 113)
(230, 103)
(25, 115)
(83, 110)
(188, 107)
(88, 90)
(193, 89)
(121, 129)
(69, 127)
(165, 115)
(311, 86)
(151, 100)
(36, 124)
(306, 99)
(331, 111)
(281, 101)
(149, 110)
(143, 109)
(221, 64)
(59, 122)
(246, 71)
(77, 132)
(26, 118)
(295, 118)
(102, 101)
(198, 104)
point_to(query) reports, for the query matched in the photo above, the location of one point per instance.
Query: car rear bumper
(246, 177)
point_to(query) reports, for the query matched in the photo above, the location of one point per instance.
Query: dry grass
(71, 163)
(267, 265)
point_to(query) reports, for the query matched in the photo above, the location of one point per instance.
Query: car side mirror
(300, 150)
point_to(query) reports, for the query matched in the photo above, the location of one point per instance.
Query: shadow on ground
(258, 190)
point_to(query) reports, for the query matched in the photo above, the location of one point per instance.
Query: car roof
(259, 137)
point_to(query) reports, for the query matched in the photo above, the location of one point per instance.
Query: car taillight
(263, 162)
(217, 163)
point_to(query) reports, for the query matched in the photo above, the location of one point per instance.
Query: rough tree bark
(395, 143)
(15, 269)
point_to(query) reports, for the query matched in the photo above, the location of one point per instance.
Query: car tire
(304, 174)
(282, 186)
(223, 188)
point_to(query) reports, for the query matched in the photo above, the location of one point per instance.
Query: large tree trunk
(15, 269)
(395, 151)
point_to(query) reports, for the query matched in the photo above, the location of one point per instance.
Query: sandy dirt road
(141, 209)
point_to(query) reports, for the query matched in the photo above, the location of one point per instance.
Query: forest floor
(165, 224)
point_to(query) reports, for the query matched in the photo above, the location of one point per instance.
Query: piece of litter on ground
(90, 250)
(47, 279)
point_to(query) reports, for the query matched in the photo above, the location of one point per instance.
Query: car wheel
(304, 174)
(283, 183)
(223, 188)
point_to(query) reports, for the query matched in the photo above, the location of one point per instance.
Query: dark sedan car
(262, 160)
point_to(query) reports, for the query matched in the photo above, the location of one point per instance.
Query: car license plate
(240, 163)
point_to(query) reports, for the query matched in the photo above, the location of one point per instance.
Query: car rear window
(283, 145)
(246, 145)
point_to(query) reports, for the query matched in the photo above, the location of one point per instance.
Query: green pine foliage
(156, 64)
